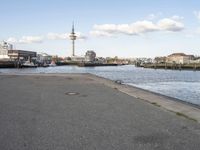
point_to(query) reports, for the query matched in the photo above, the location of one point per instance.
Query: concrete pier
(85, 112)
(195, 67)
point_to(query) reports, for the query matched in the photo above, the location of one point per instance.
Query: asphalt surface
(75, 112)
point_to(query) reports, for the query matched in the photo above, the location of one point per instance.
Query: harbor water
(183, 85)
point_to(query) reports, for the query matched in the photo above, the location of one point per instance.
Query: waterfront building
(179, 58)
(144, 60)
(8, 53)
(77, 59)
(4, 47)
(55, 58)
(101, 60)
(160, 60)
(195, 61)
(21, 55)
(90, 56)
(44, 58)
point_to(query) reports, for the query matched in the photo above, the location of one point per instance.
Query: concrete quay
(85, 112)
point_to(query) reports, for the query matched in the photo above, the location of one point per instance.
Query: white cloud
(80, 36)
(110, 28)
(64, 36)
(31, 39)
(12, 40)
(40, 39)
(130, 29)
(172, 24)
(26, 39)
(57, 36)
(100, 33)
(142, 27)
(197, 14)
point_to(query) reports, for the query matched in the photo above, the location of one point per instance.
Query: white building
(44, 58)
(101, 60)
(90, 56)
(196, 61)
(77, 59)
(179, 58)
(4, 47)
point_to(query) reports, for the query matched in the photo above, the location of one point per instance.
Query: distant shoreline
(167, 66)
(14, 64)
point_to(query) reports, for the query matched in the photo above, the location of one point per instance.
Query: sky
(123, 28)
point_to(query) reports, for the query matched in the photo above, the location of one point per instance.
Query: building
(77, 59)
(101, 60)
(160, 60)
(179, 58)
(4, 47)
(8, 53)
(44, 58)
(144, 60)
(90, 56)
(196, 60)
(21, 55)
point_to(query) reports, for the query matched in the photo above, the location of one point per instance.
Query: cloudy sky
(124, 28)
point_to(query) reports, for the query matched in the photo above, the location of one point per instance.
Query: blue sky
(125, 28)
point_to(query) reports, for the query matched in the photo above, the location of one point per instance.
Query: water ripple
(184, 85)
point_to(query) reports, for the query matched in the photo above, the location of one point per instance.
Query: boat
(45, 65)
(28, 64)
(52, 64)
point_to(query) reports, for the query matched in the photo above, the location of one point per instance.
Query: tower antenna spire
(73, 27)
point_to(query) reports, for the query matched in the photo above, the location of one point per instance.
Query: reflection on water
(184, 85)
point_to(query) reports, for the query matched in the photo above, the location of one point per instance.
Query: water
(184, 85)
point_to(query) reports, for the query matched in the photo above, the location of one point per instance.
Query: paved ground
(36, 113)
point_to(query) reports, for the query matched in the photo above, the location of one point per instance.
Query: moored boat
(52, 64)
(28, 64)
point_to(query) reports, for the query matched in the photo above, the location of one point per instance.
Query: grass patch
(155, 104)
(185, 116)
